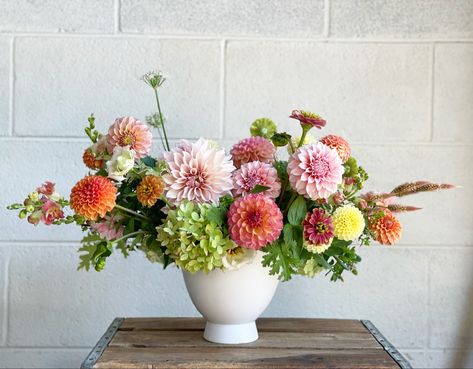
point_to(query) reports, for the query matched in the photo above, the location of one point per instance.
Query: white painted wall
(395, 77)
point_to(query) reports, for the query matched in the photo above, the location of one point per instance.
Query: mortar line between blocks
(327, 18)
(117, 11)
(11, 122)
(432, 92)
(6, 295)
(223, 54)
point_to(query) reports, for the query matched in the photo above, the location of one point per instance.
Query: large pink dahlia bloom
(198, 172)
(252, 149)
(315, 171)
(254, 221)
(128, 131)
(256, 173)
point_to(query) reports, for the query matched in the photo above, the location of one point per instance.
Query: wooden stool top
(153, 343)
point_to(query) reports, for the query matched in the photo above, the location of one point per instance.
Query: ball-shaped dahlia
(338, 143)
(254, 221)
(318, 231)
(93, 196)
(149, 190)
(128, 131)
(198, 172)
(315, 171)
(256, 173)
(252, 149)
(348, 223)
(91, 161)
(387, 229)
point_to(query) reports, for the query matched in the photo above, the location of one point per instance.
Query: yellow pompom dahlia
(348, 223)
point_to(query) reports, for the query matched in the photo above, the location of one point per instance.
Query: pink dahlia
(198, 172)
(256, 173)
(254, 221)
(338, 143)
(318, 230)
(128, 131)
(252, 149)
(306, 118)
(315, 171)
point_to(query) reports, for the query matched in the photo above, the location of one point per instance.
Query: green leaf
(297, 211)
(149, 161)
(321, 261)
(216, 215)
(259, 188)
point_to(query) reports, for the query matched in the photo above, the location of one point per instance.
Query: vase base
(231, 333)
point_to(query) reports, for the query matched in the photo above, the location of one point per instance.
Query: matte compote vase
(231, 300)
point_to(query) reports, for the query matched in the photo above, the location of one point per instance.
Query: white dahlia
(198, 172)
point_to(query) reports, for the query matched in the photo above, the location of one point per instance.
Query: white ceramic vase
(231, 300)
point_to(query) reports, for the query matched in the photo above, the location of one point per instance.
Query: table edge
(95, 354)
(387, 346)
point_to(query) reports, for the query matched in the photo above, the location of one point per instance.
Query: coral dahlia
(256, 173)
(252, 149)
(338, 143)
(128, 131)
(315, 171)
(348, 223)
(149, 190)
(198, 172)
(91, 161)
(254, 221)
(318, 231)
(92, 197)
(387, 229)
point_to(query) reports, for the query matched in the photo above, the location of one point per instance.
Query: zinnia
(256, 173)
(306, 118)
(315, 171)
(149, 190)
(252, 149)
(254, 221)
(318, 231)
(348, 223)
(93, 196)
(338, 143)
(198, 172)
(128, 131)
(387, 229)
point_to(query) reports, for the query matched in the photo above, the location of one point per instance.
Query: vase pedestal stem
(231, 333)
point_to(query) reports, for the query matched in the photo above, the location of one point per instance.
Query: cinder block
(389, 290)
(63, 80)
(42, 358)
(453, 93)
(5, 50)
(3, 266)
(299, 18)
(64, 307)
(440, 19)
(367, 92)
(451, 293)
(57, 16)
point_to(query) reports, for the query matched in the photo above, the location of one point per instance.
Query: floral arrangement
(201, 209)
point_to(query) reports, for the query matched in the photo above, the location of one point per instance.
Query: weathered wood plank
(264, 324)
(230, 358)
(280, 340)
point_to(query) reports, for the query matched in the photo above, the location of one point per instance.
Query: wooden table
(284, 343)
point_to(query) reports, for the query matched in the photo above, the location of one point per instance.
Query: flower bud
(29, 208)
(280, 139)
(362, 204)
(338, 198)
(33, 196)
(22, 214)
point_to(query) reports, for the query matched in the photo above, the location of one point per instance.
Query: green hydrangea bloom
(311, 268)
(192, 240)
(263, 127)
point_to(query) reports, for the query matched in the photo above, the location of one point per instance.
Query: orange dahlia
(91, 161)
(93, 197)
(150, 190)
(387, 229)
(338, 143)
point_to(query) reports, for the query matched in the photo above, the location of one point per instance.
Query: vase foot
(231, 333)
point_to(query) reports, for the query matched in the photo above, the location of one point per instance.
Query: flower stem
(126, 210)
(128, 236)
(304, 133)
(161, 118)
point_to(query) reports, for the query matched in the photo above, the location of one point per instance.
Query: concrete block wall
(395, 77)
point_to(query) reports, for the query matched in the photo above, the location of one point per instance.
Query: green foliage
(90, 129)
(297, 211)
(95, 251)
(281, 139)
(259, 188)
(263, 127)
(279, 258)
